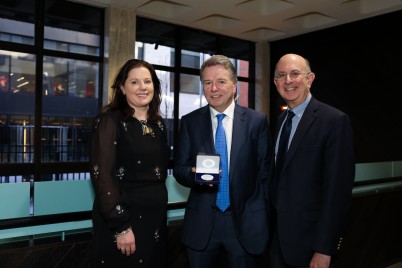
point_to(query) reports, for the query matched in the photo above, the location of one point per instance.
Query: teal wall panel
(14, 200)
(397, 169)
(176, 192)
(43, 229)
(54, 197)
(372, 171)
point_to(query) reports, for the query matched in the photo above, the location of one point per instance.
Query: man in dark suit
(240, 232)
(312, 191)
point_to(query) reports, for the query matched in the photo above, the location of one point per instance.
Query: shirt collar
(299, 109)
(228, 112)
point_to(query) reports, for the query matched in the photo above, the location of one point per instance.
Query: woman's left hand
(126, 243)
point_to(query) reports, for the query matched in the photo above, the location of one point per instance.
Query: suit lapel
(305, 123)
(207, 133)
(238, 135)
(278, 125)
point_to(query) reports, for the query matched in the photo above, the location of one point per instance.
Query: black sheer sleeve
(103, 175)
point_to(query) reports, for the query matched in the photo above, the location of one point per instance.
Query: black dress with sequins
(128, 174)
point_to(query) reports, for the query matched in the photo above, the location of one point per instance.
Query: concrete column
(120, 31)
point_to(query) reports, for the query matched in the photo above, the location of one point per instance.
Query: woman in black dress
(129, 157)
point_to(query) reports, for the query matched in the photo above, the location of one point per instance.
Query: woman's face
(138, 88)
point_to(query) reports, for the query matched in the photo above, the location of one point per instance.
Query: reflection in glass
(65, 176)
(242, 68)
(190, 84)
(242, 93)
(17, 21)
(191, 59)
(16, 178)
(16, 139)
(70, 102)
(16, 31)
(65, 139)
(67, 77)
(191, 94)
(17, 77)
(155, 53)
(167, 104)
(72, 41)
(80, 33)
(17, 73)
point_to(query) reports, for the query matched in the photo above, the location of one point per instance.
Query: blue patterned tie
(222, 199)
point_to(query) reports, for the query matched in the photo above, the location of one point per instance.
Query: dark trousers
(223, 247)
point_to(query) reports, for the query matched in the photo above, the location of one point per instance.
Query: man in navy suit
(239, 233)
(312, 191)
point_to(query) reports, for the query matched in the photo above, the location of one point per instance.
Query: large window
(178, 53)
(51, 66)
(51, 55)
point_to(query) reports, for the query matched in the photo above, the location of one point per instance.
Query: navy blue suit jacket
(249, 163)
(315, 186)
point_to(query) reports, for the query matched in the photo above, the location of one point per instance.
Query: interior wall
(357, 67)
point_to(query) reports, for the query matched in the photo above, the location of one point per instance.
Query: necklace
(146, 130)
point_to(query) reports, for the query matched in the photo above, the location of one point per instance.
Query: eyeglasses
(218, 84)
(292, 75)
